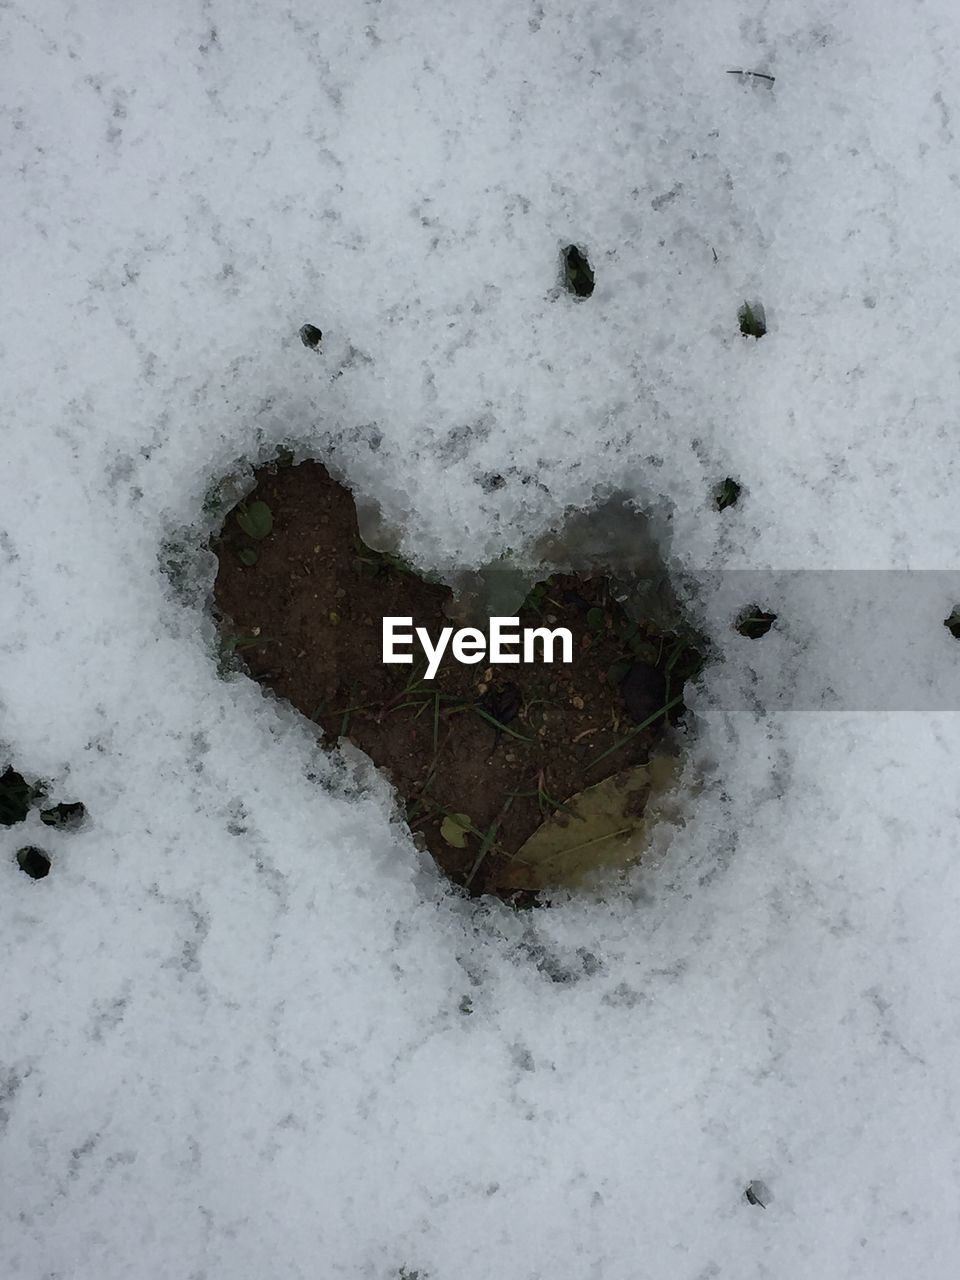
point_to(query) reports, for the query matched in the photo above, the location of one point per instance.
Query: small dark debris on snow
(310, 336)
(33, 861)
(953, 623)
(756, 1192)
(753, 75)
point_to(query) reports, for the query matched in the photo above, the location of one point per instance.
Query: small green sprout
(255, 519)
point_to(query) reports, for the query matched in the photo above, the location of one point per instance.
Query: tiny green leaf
(454, 829)
(248, 555)
(256, 520)
(596, 619)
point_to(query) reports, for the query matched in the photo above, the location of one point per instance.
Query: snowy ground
(233, 1039)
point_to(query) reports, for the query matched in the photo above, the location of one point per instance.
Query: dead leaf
(602, 828)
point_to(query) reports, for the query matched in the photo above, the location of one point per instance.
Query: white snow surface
(233, 1036)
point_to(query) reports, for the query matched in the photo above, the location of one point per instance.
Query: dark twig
(486, 843)
(755, 75)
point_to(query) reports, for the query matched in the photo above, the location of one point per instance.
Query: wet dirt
(502, 746)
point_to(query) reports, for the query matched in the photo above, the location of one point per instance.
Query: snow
(234, 1040)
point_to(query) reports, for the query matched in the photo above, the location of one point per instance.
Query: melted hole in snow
(752, 319)
(727, 494)
(34, 862)
(518, 777)
(18, 797)
(755, 622)
(576, 272)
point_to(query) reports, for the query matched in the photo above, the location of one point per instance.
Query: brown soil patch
(502, 745)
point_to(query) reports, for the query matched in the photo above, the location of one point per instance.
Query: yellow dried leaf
(602, 828)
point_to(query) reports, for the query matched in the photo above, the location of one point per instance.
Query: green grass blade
(639, 729)
(504, 728)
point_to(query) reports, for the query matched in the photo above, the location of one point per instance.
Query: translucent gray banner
(843, 640)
